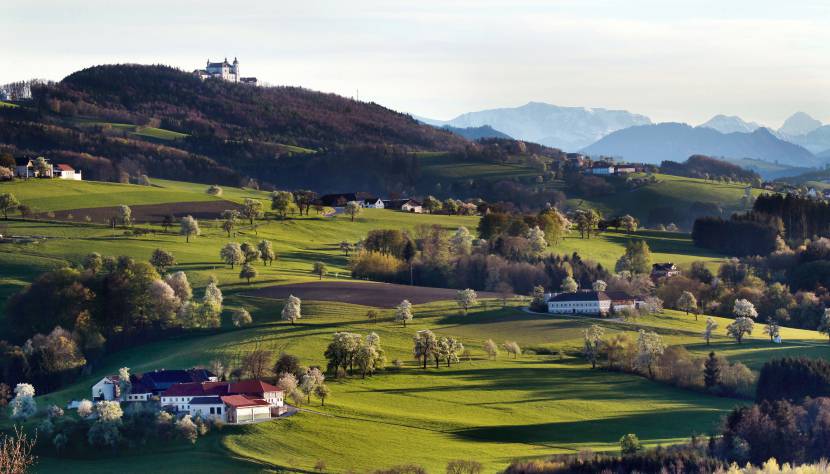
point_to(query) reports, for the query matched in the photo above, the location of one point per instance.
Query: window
(212, 411)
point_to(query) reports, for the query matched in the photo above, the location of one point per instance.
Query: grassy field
(493, 411)
(669, 191)
(489, 410)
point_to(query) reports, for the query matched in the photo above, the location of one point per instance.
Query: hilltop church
(225, 71)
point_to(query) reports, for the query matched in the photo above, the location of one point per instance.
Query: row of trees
(650, 356)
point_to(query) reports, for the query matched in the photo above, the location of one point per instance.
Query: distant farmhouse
(591, 302)
(225, 71)
(197, 392)
(664, 270)
(369, 201)
(37, 168)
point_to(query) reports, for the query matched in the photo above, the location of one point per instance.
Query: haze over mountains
(802, 141)
(677, 141)
(567, 128)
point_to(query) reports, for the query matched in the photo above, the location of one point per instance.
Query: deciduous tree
(292, 311)
(403, 312)
(247, 272)
(353, 209)
(466, 299)
(162, 260)
(8, 203)
(251, 209)
(593, 343)
(232, 254)
(189, 226)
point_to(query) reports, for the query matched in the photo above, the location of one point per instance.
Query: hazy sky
(668, 59)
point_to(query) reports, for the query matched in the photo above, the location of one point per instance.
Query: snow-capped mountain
(567, 128)
(730, 124)
(799, 123)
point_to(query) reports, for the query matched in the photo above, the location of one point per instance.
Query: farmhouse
(64, 171)
(580, 302)
(591, 302)
(246, 401)
(664, 270)
(412, 206)
(25, 168)
(147, 385)
(28, 168)
(108, 388)
(373, 203)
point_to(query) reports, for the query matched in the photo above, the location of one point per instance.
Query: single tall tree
(403, 312)
(466, 299)
(247, 272)
(232, 254)
(189, 226)
(593, 344)
(292, 310)
(251, 209)
(319, 269)
(711, 372)
(353, 209)
(687, 302)
(8, 203)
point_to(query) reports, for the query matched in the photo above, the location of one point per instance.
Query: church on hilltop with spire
(225, 71)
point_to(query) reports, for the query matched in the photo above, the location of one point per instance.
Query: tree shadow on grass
(649, 425)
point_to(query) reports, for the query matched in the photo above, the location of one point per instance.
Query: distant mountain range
(476, 133)
(730, 124)
(797, 124)
(676, 141)
(566, 128)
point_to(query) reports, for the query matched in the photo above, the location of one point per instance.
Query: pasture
(490, 410)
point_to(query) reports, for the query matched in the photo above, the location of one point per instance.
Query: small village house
(107, 389)
(664, 270)
(27, 168)
(64, 171)
(412, 206)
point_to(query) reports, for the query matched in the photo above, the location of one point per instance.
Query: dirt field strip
(381, 295)
(148, 212)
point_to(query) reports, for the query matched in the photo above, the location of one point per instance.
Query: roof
(240, 401)
(252, 386)
(412, 202)
(620, 296)
(22, 161)
(163, 379)
(196, 389)
(206, 400)
(65, 167)
(585, 295)
(663, 266)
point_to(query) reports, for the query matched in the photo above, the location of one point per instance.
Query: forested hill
(118, 122)
(183, 103)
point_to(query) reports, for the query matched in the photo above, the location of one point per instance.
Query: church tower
(235, 69)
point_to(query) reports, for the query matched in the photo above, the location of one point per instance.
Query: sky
(672, 60)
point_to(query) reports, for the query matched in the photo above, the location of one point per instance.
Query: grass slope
(493, 411)
(669, 191)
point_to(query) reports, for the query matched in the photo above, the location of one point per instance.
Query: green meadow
(670, 191)
(493, 411)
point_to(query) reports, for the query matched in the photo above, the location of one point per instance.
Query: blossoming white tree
(403, 312)
(292, 310)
